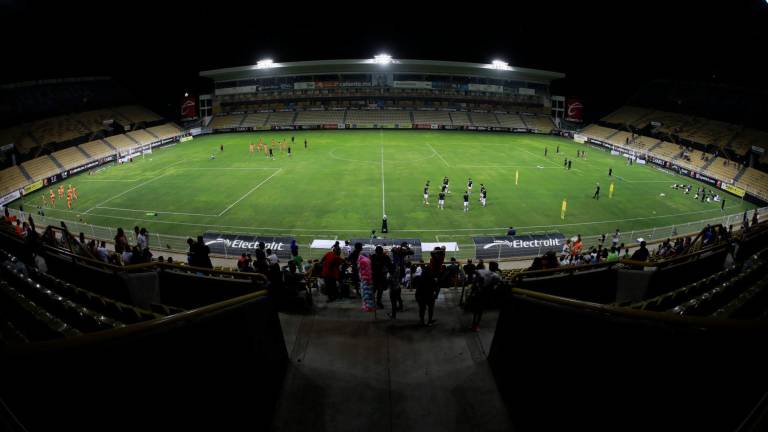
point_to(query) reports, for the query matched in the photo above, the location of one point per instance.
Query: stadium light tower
(499, 64)
(265, 64)
(382, 59)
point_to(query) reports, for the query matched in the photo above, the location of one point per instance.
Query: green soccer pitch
(342, 184)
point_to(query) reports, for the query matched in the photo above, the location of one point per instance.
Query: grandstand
(667, 150)
(281, 118)
(142, 136)
(11, 179)
(431, 117)
(627, 115)
(319, 117)
(135, 114)
(543, 124)
(484, 119)
(510, 121)
(57, 129)
(255, 120)
(460, 118)
(121, 142)
(723, 169)
(743, 142)
(379, 117)
(97, 149)
(754, 181)
(167, 130)
(40, 167)
(226, 121)
(70, 157)
(598, 132)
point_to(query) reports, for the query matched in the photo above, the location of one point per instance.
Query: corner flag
(610, 191)
(562, 210)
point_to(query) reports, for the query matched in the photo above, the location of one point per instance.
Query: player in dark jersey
(441, 200)
(466, 201)
(289, 149)
(426, 195)
(270, 153)
(482, 189)
(445, 183)
(469, 185)
(483, 196)
(597, 192)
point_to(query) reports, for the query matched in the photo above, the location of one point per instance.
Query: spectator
(483, 292)
(190, 252)
(365, 274)
(381, 265)
(294, 248)
(101, 252)
(615, 238)
(426, 293)
(121, 242)
(201, 253)
(136, 234)
(353, 259)
(272, 257)
(613, 255)
(511, 231)
(331, 272)
(641, 254)
(141, 239)
(81, 238)
(297, 259)
(169, 260)
(242, 263)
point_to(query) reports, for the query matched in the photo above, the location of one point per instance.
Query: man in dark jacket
(381, 266)
(426, 294)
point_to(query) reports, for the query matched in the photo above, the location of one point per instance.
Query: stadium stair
(293, 119)
(651, 148)
(132, 139)
(26, 174)
(108, 144)
(736, 178)
(344, 120)
(56, 162)
(84, 152)
(151, 133)
(611, 135)
(242, 120)
(524, 122)
(122, 119)
(707, 164)
(410, 114)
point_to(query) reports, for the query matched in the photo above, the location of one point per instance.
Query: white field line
(156, 211)
(439, 155)
(381, 140)
(249, 192)
(448, 231)
(135, 180)
(135, 187)
(248, 169)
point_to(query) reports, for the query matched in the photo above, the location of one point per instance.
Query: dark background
(607, 50)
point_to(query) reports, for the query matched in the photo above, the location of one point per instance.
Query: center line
(381, 140)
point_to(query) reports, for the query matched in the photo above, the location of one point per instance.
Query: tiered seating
(11, 179)
(754, 181)
(227, 121)
(40, 167)
(510, 121)
(484, 119)
(57, 129)
(541, 123)
(280, 118)
(94, 120)
(120, 142)
(696, 163)
(70, 157)
(96, 149)
(319, 117)
(670, 122)
(598, 132)
(142, 136)
(744, 141)
(640, 143)
(667, 150)
(167, 130)
(709, 132)
(19, 137)
(459, 118)
(379, 117)
(719, 169)
(626, 115)
(431, 117)
(255, 120)
(135, 114)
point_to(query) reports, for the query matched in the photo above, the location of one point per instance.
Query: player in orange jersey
(74, 193)
(53, 198)
(250, 147)
(61, 191)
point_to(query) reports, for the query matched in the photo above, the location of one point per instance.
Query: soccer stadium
(381, 243)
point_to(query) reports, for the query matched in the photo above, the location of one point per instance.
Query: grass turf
(342, 184)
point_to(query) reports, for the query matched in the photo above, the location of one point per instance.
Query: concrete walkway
(351, 371)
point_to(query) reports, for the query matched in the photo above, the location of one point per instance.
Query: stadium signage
(369, 245)
(709, 180)
(244, 129)
(517, 246)
(83, 167)
(236, 244)
(13, 196)
(739, 192)
(32, 187)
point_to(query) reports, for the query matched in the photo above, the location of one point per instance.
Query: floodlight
(264, 64)
(382, 59)
(499, 64)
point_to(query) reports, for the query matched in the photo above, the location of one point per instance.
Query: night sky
(607, 52)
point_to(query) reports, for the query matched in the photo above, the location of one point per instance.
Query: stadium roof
(431, 67)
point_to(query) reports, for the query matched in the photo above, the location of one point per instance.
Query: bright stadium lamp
(382, 59)
(499, 64)
(265, 64)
